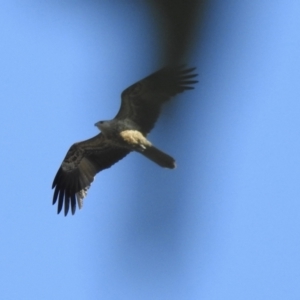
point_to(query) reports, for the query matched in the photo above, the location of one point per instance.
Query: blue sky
(225, 224)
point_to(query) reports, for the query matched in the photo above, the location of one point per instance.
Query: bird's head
(105, 127)
(99, 124)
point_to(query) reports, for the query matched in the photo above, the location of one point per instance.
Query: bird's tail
(162, 159)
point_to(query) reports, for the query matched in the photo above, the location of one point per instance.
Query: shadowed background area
(225, 223)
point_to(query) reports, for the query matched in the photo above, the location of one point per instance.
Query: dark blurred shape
(179, 21)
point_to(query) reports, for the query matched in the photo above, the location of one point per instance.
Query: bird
(127, 132)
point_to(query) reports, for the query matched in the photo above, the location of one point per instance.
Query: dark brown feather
(159, 157)
(142, 101)
(97, 154)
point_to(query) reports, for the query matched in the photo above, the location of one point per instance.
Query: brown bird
(140, 108)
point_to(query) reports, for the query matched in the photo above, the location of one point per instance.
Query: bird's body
(127, 132)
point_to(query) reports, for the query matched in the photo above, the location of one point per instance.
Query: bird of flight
(140, 107)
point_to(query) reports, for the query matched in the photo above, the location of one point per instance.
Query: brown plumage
(140, 108)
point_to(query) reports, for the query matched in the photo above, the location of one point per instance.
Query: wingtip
(184, 70)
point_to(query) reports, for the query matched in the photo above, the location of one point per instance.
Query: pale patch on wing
(72, 161)
(81, 195)
(135, 138)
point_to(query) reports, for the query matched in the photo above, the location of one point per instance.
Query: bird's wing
(142, 101)
(82, 162)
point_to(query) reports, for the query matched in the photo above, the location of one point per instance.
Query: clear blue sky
(224, 225)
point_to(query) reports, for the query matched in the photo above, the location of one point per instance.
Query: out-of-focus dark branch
(179, 20)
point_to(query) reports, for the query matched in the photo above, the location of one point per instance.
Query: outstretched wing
(142, 101)
(82, 162)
